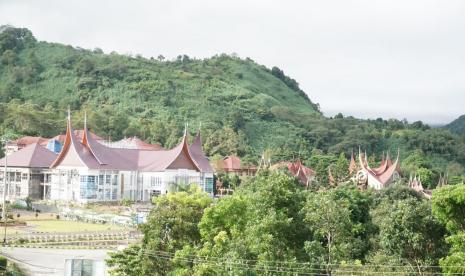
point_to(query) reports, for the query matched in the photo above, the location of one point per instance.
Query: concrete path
(39, 261)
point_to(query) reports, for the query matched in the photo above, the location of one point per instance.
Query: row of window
(12, 190)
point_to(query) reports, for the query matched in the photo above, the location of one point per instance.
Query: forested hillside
(458, 125)
(243, 107)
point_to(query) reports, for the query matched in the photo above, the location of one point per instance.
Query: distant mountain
(457, 126)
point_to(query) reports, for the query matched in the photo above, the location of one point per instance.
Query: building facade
(88, 169)
(377, 178)
(28, 173)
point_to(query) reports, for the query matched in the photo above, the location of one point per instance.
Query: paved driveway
(38, 261)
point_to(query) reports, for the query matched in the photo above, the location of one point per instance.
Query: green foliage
(271, 222)
(340, 224)
(172, 224)
(329, 221)
(3, 263)
(449, 207)
(126, 202)
(408, 230)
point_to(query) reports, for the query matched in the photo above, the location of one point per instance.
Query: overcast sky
(392, 58)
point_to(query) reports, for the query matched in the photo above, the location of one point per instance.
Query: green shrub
(126, 202)
(3, 263)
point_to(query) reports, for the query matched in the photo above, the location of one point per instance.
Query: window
(209, 184)
(155, 181)
(18, 190)
(18, 177)
(88, 186)
(24, 176)
(155, 193)
(81, 268)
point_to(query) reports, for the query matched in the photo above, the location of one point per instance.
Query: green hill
(243, 107)
(151, 98)
(457, 126)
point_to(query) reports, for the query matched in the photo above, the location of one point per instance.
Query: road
(48, 262)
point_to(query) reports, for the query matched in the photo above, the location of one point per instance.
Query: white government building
(90, 170)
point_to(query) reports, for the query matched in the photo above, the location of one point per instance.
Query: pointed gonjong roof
(415, 184)
(297, 169)
(94, 155)
(353, 164)
(198, 155)
(384, 173)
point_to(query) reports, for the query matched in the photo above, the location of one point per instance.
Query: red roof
(79, 133)
(352, 165)
(27, 140)
(32, 156)
(95, 155)
(199, 156)
(231, 163)
(383, 173)
(297, 169)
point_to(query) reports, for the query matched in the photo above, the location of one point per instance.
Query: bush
(126, 202)
(3, 263)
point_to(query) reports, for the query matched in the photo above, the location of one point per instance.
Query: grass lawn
(69, 226)
(62, 226)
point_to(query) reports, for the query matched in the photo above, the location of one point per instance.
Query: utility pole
(5, 175)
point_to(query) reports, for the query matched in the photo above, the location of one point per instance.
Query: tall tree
(172, 225)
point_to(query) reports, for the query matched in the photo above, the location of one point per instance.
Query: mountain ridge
(457, 126)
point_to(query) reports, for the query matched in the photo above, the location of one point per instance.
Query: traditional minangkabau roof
(384, 173)
(415, 184)
(32, 156)
(95, 155)
(297, 169)
(198, 155)
(352, 164)
(177, 157)
(79, 133)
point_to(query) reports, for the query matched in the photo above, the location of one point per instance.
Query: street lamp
(5, 175)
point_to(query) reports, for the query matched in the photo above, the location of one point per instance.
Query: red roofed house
(28, 172)
(232, 165)
(415, 184)
(88, 170)
(376, 178)
(23, 142)
(297, 169)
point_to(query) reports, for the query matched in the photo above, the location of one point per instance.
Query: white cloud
(370, 58)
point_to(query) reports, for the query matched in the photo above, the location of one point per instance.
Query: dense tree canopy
(272, 226)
